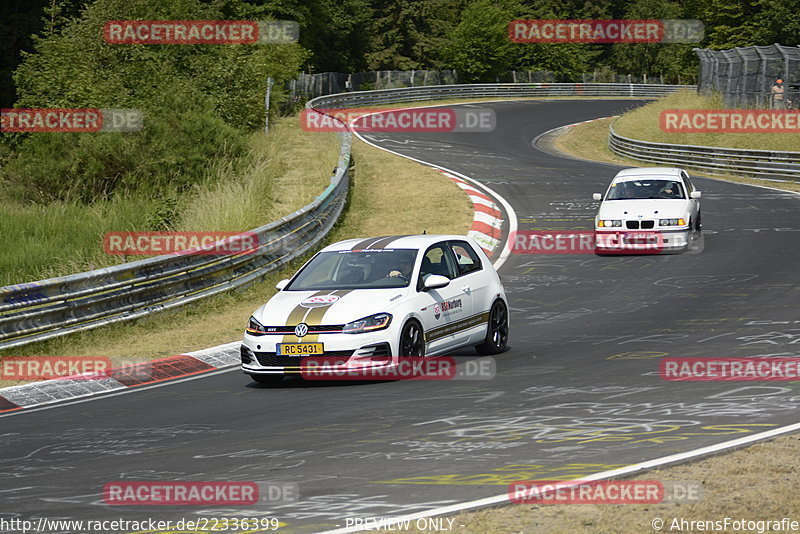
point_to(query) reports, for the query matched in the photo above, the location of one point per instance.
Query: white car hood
(646, 208)
(327, 307)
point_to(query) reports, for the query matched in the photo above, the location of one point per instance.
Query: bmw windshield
(646, 189)
(359, 269)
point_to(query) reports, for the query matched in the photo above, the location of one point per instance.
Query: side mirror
(597, 196)
(283, 283)
(435, 281)
(695, 194)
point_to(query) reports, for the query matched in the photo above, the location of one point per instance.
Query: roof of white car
(647, 172)
(397, 241)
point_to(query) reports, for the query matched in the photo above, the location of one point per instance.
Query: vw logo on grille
(301, 330)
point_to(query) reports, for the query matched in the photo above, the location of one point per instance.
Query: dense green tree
(333, 31)
(671, 60)
(479, 47)
(197, 100)
(731, 23)
(778, 22)
(565, 60)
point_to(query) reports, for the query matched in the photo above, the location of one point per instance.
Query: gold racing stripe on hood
(310, 316)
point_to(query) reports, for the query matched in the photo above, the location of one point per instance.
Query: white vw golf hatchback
(377, 299)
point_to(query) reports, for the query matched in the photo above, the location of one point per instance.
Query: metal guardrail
(495, 90)
(714, 160)
(58, 306)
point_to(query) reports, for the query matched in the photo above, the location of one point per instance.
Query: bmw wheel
(496, 331)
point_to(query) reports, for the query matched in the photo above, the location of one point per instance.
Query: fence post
(270, 81)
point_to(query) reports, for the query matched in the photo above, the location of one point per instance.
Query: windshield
(361, 269)
(643, 189)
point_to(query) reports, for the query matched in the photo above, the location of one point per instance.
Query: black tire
(267, 379)
(496, 330)
(698, 225)
(412, 341)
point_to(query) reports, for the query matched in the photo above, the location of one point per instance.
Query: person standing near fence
(778, 95)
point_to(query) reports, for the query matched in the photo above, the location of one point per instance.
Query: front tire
(496, 330)
(412, 340)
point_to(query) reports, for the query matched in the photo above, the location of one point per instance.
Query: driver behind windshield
(403, 269)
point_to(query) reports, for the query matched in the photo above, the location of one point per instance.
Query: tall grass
(42, 241)
(290, 167)
(642, 123)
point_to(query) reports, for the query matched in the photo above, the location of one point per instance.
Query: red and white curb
(36, 394)
(487, 222)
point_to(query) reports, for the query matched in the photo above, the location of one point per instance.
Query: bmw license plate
(640, 237)
(299, 349)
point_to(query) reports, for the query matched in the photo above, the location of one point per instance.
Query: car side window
(436, 260)
(467, 261)
(689, 184)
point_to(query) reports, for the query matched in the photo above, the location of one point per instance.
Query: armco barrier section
(494, 90)
(49, 308)
(715, 160)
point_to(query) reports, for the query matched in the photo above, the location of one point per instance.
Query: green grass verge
(642, 123)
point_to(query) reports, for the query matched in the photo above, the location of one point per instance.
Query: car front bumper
(641, 241)
(373, 349)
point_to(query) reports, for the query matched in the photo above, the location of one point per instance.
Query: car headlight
(608, 223)
(254, 327)
(379, 321)
(671, 222)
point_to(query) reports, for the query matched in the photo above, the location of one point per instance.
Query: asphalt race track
(578, 392)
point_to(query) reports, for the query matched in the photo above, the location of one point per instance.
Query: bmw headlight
(254, 327)
(671, 222)
(379, 321)
(608, 223)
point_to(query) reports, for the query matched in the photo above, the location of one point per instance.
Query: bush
(199, 102)
(182, 137)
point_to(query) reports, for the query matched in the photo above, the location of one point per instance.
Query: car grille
(634, 225)
(272, 359)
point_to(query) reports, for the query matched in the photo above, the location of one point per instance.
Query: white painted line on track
(614, 473)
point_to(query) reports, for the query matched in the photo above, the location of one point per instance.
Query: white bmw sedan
(647, 210)
(375, 299)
